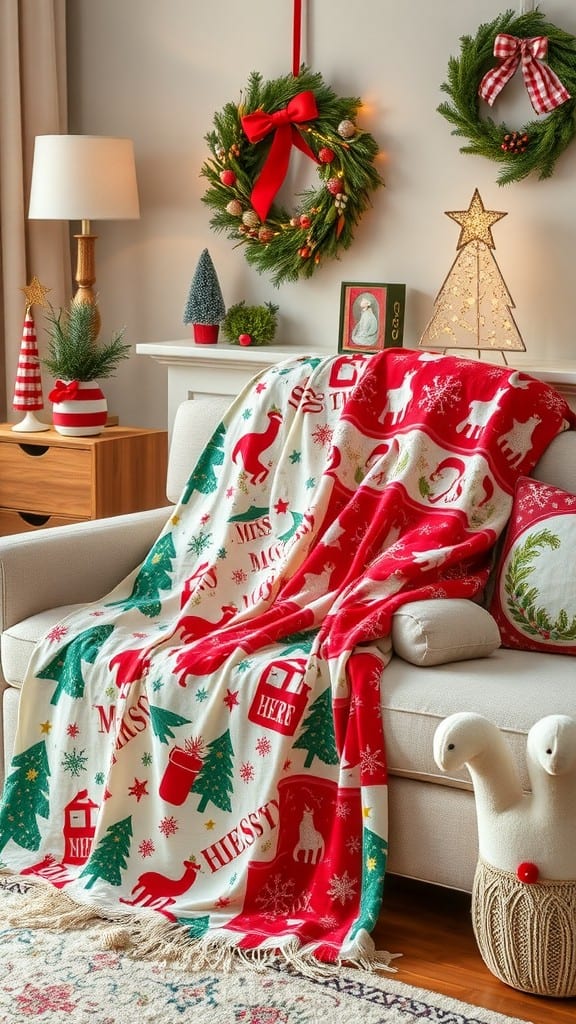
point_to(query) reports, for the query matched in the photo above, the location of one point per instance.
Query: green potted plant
(205, 307)
(78, 361)
(250, 325)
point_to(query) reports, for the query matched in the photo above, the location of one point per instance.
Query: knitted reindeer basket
(526, 933)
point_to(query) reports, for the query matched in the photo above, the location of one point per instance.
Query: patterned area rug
(70, 977)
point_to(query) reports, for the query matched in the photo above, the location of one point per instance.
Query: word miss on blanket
(203, 749)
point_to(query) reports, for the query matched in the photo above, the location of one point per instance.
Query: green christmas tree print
(66, 667)
(214, 780)
(374, 853)
(203, 477)
(317, 735)
(154, 576)
(111, 855)
(197, 926)
(25, 796)
(162, 722)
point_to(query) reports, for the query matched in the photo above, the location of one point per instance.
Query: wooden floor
(432, 928)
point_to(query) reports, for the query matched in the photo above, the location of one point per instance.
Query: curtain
(34, 102)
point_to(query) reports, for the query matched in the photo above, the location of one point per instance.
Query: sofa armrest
(72, 564)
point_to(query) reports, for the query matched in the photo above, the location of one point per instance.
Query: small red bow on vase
(544, 87)
(63, 390)
(283, 123)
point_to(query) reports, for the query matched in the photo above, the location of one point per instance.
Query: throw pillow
(534, 599)
(441, 630)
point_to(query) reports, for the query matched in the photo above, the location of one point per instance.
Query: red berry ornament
(227, 177)
(335, 186)
(326, 155)
(245, 339)
(527, 872)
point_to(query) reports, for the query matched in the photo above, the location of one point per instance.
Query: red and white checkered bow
(544, 87)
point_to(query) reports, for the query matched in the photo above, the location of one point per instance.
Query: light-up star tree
(473, 307)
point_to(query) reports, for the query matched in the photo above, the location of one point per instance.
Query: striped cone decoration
(80, 408)
(28, 385)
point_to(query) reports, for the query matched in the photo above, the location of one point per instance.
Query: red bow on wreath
(258, 125)
(544, 87)
(63, 390)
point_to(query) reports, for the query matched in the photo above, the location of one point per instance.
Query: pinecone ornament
(515, 142)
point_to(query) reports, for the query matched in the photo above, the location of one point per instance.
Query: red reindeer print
(194, 626)
(158, 891)
(250, 448)
(132, 665)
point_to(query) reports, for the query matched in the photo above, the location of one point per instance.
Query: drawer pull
(34, 449)
(33, 518)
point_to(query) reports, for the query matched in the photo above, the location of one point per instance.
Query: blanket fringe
(40, 905)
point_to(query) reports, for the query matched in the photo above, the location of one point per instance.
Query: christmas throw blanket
(201, 754)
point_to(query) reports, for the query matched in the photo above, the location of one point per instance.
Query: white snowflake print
(353, 844)
(442, 394)
(247, 773)
(263, 746)
(276, 897)
(146, 848)
(342, 888)
(57, 633)
(343, 811)
(535, 496)
(370, 761)
(168, 826)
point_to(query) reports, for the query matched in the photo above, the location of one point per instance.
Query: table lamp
(83, 177)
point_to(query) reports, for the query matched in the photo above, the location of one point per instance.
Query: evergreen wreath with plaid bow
(546, 57)
(251, 145)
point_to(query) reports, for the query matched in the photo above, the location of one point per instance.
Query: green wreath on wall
(250, 146)
(536, 145)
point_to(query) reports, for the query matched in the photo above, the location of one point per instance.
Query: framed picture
(371, 316)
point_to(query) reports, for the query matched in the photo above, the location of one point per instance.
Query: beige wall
(158, 70)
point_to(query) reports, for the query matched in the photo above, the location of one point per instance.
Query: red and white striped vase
(80, 408)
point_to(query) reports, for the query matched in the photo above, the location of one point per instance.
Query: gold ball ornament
(250, 218)
(234, 207)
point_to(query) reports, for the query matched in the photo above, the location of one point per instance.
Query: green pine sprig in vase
(78, 361)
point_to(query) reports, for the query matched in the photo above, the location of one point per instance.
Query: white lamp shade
(83, 177)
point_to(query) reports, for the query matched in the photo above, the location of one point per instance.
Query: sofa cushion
(512, 688)
(438, 631)
(18, 641)
(534, 598)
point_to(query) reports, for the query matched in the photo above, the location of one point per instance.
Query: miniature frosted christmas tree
(473, 307)
(28, 396)
(205, 307)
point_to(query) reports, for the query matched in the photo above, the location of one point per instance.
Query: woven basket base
(526, 934)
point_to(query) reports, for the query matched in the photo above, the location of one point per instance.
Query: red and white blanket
(204, 748)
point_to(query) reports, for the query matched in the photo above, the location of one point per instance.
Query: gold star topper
(35, 293)
(475, 222)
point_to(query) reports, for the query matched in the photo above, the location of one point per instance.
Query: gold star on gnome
(35, 293)
(475, 222)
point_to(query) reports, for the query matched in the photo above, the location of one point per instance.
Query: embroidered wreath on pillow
(547, 57)
(251, 145)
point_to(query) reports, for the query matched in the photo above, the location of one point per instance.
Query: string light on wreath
(251, 144)
(546, 57)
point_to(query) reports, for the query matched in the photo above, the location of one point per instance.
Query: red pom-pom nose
(527, 872)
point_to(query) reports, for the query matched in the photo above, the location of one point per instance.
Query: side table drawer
(46, 479)
(27, 522)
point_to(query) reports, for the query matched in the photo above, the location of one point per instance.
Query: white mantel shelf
(224, 369)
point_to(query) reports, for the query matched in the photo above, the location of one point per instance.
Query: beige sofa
(432, 815)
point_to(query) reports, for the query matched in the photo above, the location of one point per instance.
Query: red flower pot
(206, 334)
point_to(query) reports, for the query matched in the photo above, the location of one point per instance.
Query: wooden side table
(47, 479)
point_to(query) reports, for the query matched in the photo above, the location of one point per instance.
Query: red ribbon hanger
(259, 124)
